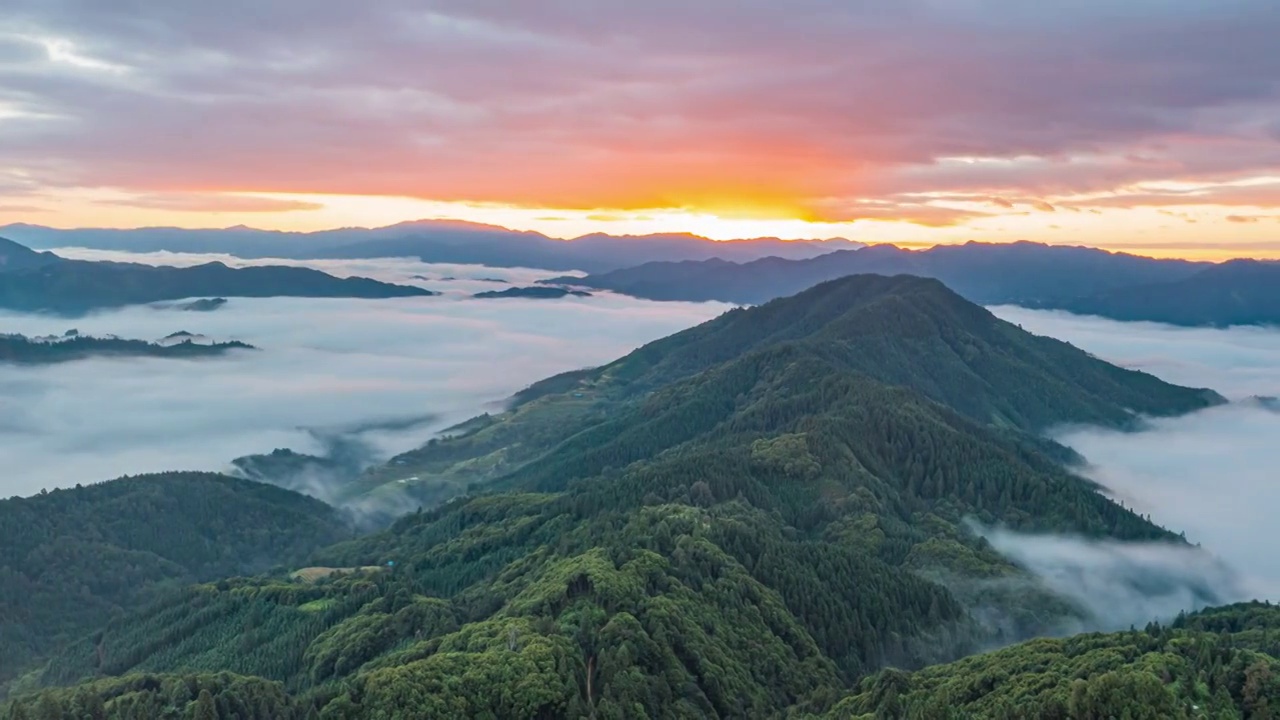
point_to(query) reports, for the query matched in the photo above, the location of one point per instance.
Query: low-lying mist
(1123, 584)
(369, 367)
(1213, 475)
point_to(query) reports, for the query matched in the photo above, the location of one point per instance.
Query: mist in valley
(373, 370)
(1212, 475)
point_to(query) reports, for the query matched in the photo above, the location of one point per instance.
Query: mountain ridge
(987, 273)
(443, 241)
(72, 287)
(1237, 292)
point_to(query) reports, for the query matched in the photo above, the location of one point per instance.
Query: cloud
(324, 363)
(8, 208)
(1210, 474)
(1118, 584)
(1251, 218)
(213, 202)
(1238, 362)
(640, 105)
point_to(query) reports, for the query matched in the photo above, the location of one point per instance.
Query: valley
(807, 491)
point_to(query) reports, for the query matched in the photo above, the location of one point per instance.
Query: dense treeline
(149, 697)
(71, 559)
(1217, 664)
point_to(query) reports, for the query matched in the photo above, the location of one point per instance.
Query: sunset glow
(909, 124)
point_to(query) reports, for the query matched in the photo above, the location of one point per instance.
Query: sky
(322, 364)
(1148, 125)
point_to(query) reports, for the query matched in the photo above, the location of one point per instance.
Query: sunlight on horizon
(1194, 231)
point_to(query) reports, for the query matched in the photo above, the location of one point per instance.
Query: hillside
(1240, 292)
(742, 520)
(71, 559)
(902, 331)
(1220, 663)
(987, 273)
(74, 287)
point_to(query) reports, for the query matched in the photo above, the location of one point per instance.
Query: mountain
(71, 559)
(42, 351)
(536, 293)
(441, 241)
(987, 273)
(15, 257)
(74, 286)
(903, 331)
(1239, 292)
(747, 519)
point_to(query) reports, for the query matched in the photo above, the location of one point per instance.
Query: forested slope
(71, 559)
(1220, 663)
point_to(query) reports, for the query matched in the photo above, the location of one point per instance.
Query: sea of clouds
(323, 364)
(409, 367)
(1213, 475)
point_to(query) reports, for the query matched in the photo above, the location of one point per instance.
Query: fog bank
(1214, 474)
(323, 363)
(1122, 584)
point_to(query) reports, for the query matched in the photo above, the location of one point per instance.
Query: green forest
(72, 559)
(770, 515)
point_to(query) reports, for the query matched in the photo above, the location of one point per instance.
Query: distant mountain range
(44, 282)
(1078, 279)
(1239, 292)
(438, 241)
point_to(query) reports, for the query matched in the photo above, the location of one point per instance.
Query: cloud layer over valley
(1212, 474)
(323, 363)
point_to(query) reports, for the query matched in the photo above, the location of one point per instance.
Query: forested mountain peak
(914, 331)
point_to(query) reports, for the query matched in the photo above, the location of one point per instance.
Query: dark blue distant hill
(44, 282)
